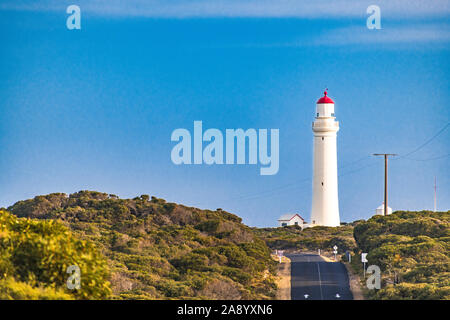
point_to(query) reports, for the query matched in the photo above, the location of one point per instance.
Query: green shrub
(191, 261)
(413, 291)
(237, 275)
(11, 289)
(41, 251)
(209, 226)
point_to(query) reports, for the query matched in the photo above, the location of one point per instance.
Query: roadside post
(335, 252)
(319, 252)
(349, 256)
(364, 261)
(280, 254)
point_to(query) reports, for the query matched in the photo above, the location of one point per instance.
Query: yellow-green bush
(38, 252)
(11, 289)
(414, 291)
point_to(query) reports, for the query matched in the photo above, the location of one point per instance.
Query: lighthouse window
(332, 114)
(322, 183)
(322, 138)
(317, 114)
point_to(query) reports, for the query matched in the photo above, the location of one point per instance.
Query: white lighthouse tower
(325, 203)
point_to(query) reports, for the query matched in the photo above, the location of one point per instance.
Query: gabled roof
(289, 216)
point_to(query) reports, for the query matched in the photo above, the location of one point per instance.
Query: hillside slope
(159, 250)
(412, 248)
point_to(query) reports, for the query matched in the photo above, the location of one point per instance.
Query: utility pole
(386, 155)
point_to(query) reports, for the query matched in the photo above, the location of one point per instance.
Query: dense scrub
(35, 255)
(160, 250)
(312, 239)
(412, 248)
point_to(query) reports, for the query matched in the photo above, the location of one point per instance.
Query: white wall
(325, 110)
(296, 219)
(325, 202)
(381, 211)
(292, 222)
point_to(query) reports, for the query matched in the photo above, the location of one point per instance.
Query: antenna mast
(435, 194)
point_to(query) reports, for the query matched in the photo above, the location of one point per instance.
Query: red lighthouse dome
(325, 99)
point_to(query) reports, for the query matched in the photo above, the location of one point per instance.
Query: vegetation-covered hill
(413, 247)
(159, 250)
(146, 248)
(324, 238)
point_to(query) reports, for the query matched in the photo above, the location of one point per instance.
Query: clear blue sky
(94, 108)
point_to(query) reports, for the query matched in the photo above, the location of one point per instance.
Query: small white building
(291, 219)
(380, 210)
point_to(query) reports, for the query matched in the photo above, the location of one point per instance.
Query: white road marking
(337, 295)
(320, 282)
(306, 296)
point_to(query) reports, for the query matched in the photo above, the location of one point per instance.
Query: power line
(357, 170)
(429, 159)
(300, 184)
(292, 185)
(426, 142)
(354, 162)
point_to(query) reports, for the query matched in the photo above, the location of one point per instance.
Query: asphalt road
(312, 278)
